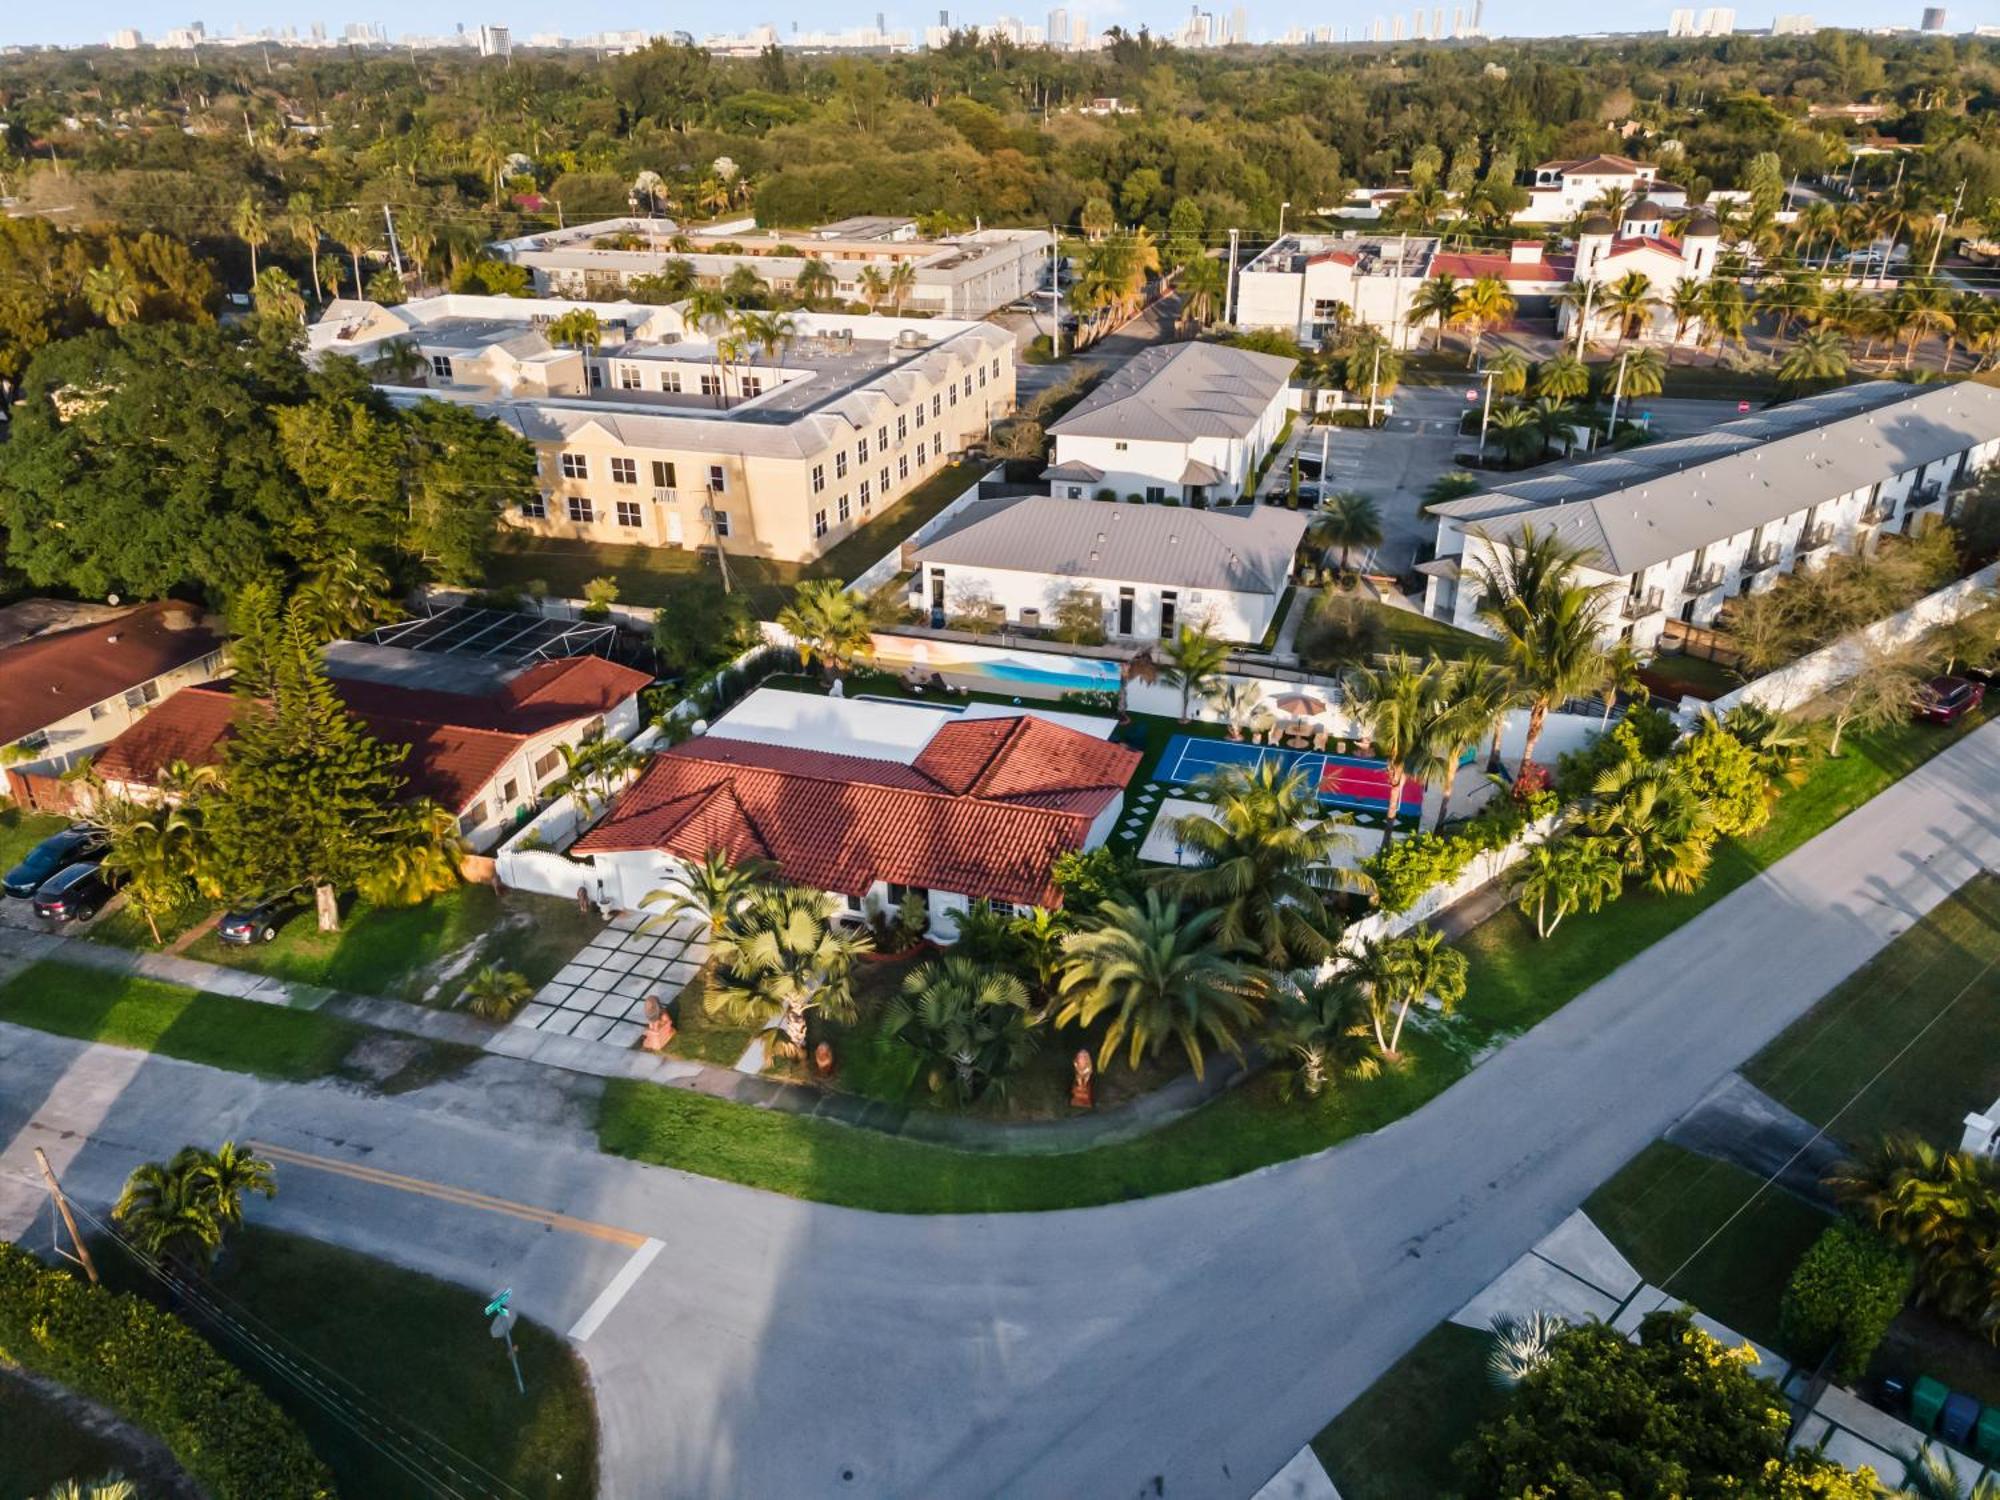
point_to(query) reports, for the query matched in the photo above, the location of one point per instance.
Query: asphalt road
(1183, 1346)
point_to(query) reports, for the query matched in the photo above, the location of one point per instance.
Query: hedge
(159, 1374)
(1847, 1290)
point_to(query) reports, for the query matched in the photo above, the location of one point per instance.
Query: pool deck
(872, 727)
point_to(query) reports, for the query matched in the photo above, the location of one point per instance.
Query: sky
(84, 21)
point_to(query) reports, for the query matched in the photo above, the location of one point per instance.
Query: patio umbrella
(1301, 703)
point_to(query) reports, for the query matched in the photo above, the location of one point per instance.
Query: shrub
(159, 1374)
(1642, 734)
(1410, 866)
(495, 993)
(1846, 1291)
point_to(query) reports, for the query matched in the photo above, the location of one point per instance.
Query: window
(99, 710)
(717, 480)
(670, 382)
(937, 406)
(843, 509)
(441, 366)
(921, 458)
(861, 451)
(884, 478)
(937, 444)
(580, 508)
(920, 416)
(663, 475)
(628, 513)
(903, 468)
(882, 438)
(472, 817)
(710, 385)
(840, 466)
(903, 427)
(753, 385)
(629, 378)
(867, 498)
(982, 375)
(819, 521)
(819, 478)
(1169, 608)
(624, 471)
(1076, 492)
(1118, 447)
(510, 790)
(548, 764)
(143, 694)
(575, 466)
(1155, 494)
(33, 744)
(968, 387)
(953, 393)
(535, 507)
(720, 520)
(996, 367)
(597, 377)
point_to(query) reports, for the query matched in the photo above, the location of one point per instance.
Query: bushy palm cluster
(1943, 1207)
(180, 1211)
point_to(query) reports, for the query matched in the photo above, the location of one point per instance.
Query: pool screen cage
(499, 635)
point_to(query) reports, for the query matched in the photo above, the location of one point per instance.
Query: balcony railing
(1764, 557)
(1700, 580)
(1638, 606)
(665, 496)
(1926, 494)
(1815, 537)
(1875, 515)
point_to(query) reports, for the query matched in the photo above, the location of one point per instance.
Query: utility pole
(395, 250)
(721, 555)
(1398, 322)
(1583, 323)
(62, 1207)
(1618, 393)
(1485, 411)
(1944, 225)
(1281, 218)
(1055, 288)
(1374, 383)
(1229, 312)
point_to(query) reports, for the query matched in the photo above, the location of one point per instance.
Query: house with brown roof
(953, 805)
(67, 689)
(489, 754)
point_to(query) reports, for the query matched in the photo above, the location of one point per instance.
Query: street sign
(1472, 395)
(1743, 406)
(499, 1303)
(504, 1324)
(503, 1318)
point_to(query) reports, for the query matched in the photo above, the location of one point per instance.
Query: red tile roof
(984, 811)
(46, 678)
(1336, 257)
(1550, 269)
(1659, 243)
(1594, 166)
(458, 743)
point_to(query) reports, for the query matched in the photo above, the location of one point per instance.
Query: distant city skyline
(98, 22)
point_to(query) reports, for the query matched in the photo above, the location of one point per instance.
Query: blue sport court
(1352, 782)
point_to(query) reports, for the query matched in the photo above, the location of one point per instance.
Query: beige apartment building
(669, 437)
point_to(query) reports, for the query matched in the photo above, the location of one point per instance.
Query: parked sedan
(55, 853)
(259, 921)
(1946, 700)
(76, 894)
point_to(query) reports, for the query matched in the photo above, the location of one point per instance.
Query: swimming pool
(996, 668)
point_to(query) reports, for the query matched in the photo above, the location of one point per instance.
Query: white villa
(1151, 568)
(1564, 189)
(1674, 529)
(1306, 285)
(1187, 422)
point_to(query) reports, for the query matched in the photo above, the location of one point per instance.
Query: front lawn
(418, 953)
(415, 1353)
(21, 830)
(125, 1010)
(1398, 1438)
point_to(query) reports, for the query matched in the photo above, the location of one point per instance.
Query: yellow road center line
(463, 1197)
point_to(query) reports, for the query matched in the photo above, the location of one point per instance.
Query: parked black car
(76, 894)
(55, 853)
(259, 921)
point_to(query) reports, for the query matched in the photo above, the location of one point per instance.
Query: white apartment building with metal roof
(1674, 529)
(1150, 568)
(1187, 422)
(663, 436)
(957, 276)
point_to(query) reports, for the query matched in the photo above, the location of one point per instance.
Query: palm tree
(1943, 1207)
(494, 993)
(1193, 661)
(592, 769)
(277, 296)
(1557, 876)
(1629, 302)
(399, 362)
(1624, 673)
(1547, 621)
(579, 328)
(169, 1214)
(781, 960)
(1726, 314)
(1520, 1346)
(743, 284)
(1263, 854)
(706, 309)
(1435, 300)
(1688, 301)
(1817, 357)
(1160, 976)
(1399, 971)
(826, 621)
(1475, 697)
(1321, 1022)
(250, 226)
(1347, 519)
(1201, 283)
(1645, 374)
(1397, 705)
(155, 852)
(1562, 377)
(108, 1487)
(229, 1172)
(1480, 306)
(712, 889)
(1508, 370)
(874, 286)
(902, 280)
(350, 230)
(1519, 432)
(112, 293)
(1654, 823)
(1930, 1475)
(301, 223)
(971, 1023)
(1919, 310)
(815, 282)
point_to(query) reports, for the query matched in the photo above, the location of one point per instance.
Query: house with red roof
(487, 746)
(872, 802)
(1564, 189)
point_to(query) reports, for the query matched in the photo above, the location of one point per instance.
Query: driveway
(1180, 1346)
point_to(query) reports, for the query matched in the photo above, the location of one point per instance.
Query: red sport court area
(1352, 782)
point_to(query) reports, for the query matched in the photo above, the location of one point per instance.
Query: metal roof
(1178, 392)
(1633, 509)
(1241, 550)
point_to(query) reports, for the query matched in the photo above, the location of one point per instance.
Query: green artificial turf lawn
(220, 1030)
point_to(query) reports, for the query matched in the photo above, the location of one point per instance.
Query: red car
(1946, 700)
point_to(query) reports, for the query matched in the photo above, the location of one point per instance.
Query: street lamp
(1281, 219)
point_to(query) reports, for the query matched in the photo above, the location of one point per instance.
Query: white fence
(1810, 676)
(890, 563)
(1484, 870)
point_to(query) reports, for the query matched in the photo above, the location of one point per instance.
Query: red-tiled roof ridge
(46, 678)
(715, 817)
(188, 726)
(574, 679)
(1024, 756)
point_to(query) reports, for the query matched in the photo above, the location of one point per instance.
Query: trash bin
(1955, 1421)
(1986, 1437)
(1926, 1399)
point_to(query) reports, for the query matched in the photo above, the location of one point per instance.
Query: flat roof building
(1311, 285)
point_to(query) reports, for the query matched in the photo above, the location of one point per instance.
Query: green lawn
(40, 1445)
(1419, 635)
(220, 1030)
(655, 576)
(399, 951)
(419, 1352)
(20, 831)
(1680, 676)
(1398, 1438)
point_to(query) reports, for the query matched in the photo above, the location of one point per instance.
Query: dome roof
(1594, 224)
(1704, 224)
(1645, 208)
